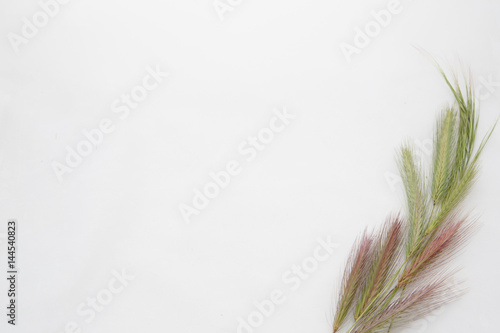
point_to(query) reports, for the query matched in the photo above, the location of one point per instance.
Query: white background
(325, 175)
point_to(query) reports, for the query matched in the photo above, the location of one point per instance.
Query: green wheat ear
(415, 198)
(445, 142)
(455, 164)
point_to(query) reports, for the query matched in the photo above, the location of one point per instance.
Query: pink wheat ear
(385, 257)
(414, 305)
(443, 245)
(352, 279)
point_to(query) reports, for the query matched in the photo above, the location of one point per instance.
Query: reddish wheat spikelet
(440, 248)
(415, 304)
(385, 257)
(352, 278)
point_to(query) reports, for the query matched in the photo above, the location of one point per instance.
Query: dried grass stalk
(384, 286)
